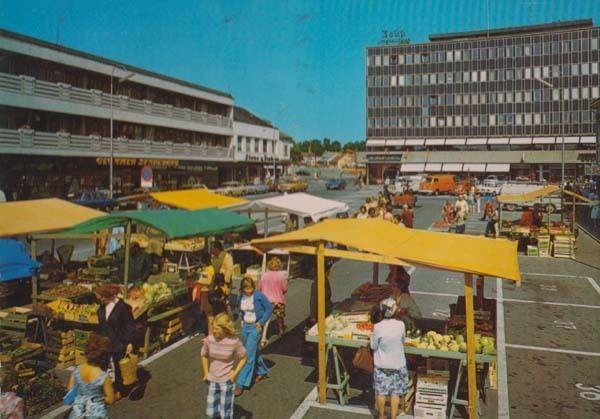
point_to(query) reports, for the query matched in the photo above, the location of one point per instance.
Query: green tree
(336, 146)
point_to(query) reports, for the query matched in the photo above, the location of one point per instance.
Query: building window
(378, 60)
(574, 69)
(537, 119)
(546, 71)
(527, 96)
(594, 44)
(555, 94)
(585, 92)
(509, 97)
(457, 121)
(386, 60)
(509, 74)
(518, 97)
(527, 73)
(449, 56)
(537, 73)
(518, 119)
(527, 50)
(492, 120)
(527, 119)
(555, 72)
(566, 93)
(483, 76)
(574, 93)
(239, 144)
(500, 97)
(585, 69)
(537, 95)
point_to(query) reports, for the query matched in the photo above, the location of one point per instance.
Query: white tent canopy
(302, 205)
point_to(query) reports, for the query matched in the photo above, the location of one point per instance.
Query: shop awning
(302, 205)
(415, 141)
(452, 252)
(529, 196)
(588, 140)
(375, 143)
(412, 167)
(474, 167)
(15, 261)
(520, 140)
(497, 168)
(196, 199)
(455, 141)
(41, 215)
(433, 167)
(544, 140)
(174, 224)
(500, 140)
(476, 141)
(452, 167)
(435, 141)
(394, 143)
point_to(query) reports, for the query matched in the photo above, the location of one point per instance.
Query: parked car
(408, 182)
(438, 184)
(405, 198)
(302, 172)
(338, 184)
(256, 188)
(232, 188)
(95, 199)
(291, 185)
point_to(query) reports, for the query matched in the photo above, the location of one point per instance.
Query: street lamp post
(562, 137)
(126, 77)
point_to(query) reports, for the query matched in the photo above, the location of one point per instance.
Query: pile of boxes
(81, 339)
(432, 395)
(170, 329)
(61, 348)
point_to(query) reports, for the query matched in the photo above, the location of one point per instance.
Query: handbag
(69, 398)
(363, 360)
(128, 365)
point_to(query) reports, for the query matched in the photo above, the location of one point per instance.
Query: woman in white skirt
(390, 375)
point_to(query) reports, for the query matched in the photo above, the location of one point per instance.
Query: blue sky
(299, 64)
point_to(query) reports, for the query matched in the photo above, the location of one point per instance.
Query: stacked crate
(81, 339)
(432, 396)
(61, 348)
(170, 329)
(544, 245)
(564, 247)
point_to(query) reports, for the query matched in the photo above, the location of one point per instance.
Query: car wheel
(550, 208)
(436, 192)
(511, 207)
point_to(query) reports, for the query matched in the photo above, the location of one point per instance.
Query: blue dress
(89, 402)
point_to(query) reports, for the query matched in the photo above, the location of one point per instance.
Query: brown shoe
(238, 392)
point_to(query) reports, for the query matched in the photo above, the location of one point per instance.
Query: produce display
(64, 291)
(455, 343)
(86, 313)
(154, 293)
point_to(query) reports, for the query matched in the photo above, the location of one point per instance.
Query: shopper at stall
(222, 261)
(537, 217)
(291, 223)
(471, 199)
(448, 213)
(117, 324)
(140, 264)
(362, 213)
(390, 375)
(526, 217)
(223, 357)
(460, 222)
(461, 205)
(274, 285)
(408, 216)
(92, 384)
(202, 289)
(255, 311)
(387, 213)
(492, 226)
(478, 201)
(408, 310)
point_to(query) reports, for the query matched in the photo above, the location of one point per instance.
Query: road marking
(349, 409)
(503, 405)
(549, 288)
(436, 294)
(550, 303)
(594, 284)
(562, 351)
(557, 275)
(305, 405)
(588, 393)
(565, 325)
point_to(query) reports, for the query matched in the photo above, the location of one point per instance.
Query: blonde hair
(274, 264)
(223, 322)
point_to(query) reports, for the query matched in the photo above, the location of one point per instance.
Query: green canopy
(174, 224)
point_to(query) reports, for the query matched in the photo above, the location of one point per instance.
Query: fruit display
(64, 291)
(154, 293)
(456, 343)
(86, 313)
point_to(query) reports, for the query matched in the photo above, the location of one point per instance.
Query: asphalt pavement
(548, 343)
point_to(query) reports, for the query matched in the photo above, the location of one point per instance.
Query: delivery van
(438, 184)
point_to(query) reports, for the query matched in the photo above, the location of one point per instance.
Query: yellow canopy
(519, 198)
(196, 199)
(452, 252)
(41, 215)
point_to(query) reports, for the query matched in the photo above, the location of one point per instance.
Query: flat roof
(67, 50)
(244, 115)
(545, 27)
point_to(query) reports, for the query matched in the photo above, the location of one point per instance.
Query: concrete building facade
(497, 101)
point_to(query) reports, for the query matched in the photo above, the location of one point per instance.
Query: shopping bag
(128, 365)
(363, 360)
(69, 398)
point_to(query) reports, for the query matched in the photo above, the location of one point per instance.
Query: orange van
(438, 184)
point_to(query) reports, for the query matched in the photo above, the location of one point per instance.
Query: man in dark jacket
(117, 324)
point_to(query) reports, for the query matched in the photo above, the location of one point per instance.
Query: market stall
(163, 297)
(374, 240)
(539, 233)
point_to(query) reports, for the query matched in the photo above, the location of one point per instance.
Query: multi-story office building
(496, 101)
(56, 108)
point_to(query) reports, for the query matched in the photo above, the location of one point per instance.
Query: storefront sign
(397, 158)
(146, 177)
(156, 163)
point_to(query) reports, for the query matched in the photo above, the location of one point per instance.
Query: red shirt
(408, 218)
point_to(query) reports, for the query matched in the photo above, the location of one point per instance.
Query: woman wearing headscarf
(390, 375)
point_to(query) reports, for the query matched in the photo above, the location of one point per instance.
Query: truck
(438, 184)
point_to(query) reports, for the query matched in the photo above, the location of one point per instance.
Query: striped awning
(497, 168)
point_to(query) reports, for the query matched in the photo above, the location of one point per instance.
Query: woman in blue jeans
(255, 310)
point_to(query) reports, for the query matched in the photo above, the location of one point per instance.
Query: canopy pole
(34, 278)
(470, 346)
(321, 322)
(126, 264)
(548, 212)
(573, 218)
(266, 233)
(375, 273)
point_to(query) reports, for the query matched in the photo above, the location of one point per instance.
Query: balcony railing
(26, 85)
(30, 142)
